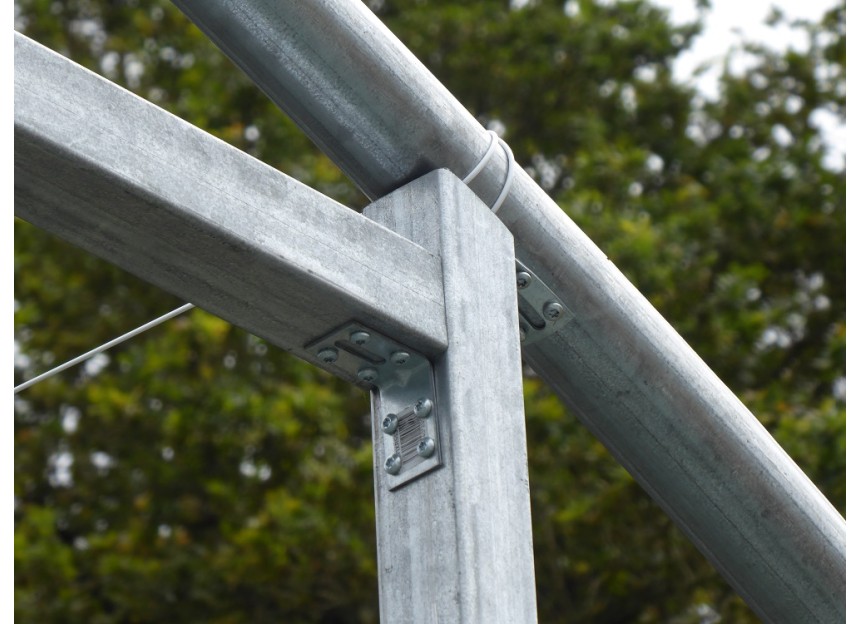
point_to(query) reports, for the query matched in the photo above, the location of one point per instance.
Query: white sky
(730, 22)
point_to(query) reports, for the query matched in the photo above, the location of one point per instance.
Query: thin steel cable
(104, 347)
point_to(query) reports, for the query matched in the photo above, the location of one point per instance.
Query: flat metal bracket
(541, 312)
(407, 395)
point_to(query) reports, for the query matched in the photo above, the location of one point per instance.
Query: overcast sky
(728, 23)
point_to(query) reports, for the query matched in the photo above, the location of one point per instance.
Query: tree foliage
(196, 474)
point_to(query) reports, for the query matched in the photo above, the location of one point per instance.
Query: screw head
(524, 278)
(359, 337)
(389, 424)
(426, 447)
(393, 464)
(327, 355)
(368, 374)
(423, 407)
(400, 357)
(553, 310)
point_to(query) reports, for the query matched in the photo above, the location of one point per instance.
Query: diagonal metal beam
(127, 181)
(626, 373)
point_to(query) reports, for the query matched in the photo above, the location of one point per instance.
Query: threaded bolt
(368, 374)
(400, 357)
(523, 279)
(327, 355)
(389, 424)
(359, 337)
(426, 447)
(553, 310)
(423, 407)
(393, 464)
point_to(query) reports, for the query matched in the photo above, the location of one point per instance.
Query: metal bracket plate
(541, 311)
(404, 379)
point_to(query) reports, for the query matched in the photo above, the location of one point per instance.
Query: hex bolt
(359, 337)
(553, 310)
(423, 407)
(393, 464)
(523, 279)
(327, 355)
(389, 424)
(400, 357)
(368, 374)
(426, 447)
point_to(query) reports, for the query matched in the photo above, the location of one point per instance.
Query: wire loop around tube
(509, 175)
(509, 178)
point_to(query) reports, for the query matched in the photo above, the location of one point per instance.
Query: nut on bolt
(327, 355)
(389, 424)
(553, 310)
(393, 464)
(423, 407)
(426, 447)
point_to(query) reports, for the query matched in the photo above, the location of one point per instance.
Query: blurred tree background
(195, 474)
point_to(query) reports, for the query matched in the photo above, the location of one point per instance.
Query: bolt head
(393, 464)
(423, 407)
(368, 374)
(426, 447)
(359, 337)
(523, 279)
(389, 424)
(553, 310)
(400, 357)
(327, 355)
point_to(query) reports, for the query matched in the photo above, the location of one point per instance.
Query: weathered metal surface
(628, 376)
(121, 178)
(456, 544)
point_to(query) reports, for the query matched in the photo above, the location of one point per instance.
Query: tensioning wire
(104, 347)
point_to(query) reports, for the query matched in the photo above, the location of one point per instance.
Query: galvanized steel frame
(624, 371)
(628, 376)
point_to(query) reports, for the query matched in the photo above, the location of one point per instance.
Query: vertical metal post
(455, 544)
